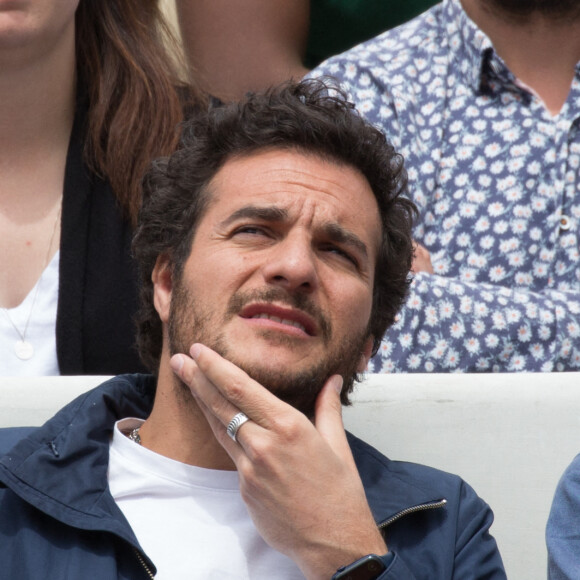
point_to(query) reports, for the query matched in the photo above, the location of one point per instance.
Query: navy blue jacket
(58, 519)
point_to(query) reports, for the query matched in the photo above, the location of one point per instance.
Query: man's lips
(281, 315)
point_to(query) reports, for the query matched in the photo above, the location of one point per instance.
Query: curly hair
(311, 116)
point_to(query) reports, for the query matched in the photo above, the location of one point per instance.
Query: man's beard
(189, 323)
(521, 10)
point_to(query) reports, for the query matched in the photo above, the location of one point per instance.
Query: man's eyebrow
(335, 232)
(338, 234)
(263, 213)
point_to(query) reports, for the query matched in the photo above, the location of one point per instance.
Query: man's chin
(295, 374)
(298, 388)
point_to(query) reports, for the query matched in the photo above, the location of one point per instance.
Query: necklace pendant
(134, 435)
(23, 349)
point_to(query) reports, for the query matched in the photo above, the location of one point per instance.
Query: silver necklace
(22, 347)
(134, 435)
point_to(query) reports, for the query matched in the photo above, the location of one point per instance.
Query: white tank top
(41, 331)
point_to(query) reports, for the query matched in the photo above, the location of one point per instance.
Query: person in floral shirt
(482, 98)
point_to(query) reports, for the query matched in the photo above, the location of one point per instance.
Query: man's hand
(421, 260)
(298, 478)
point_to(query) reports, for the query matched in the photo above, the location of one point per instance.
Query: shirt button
(564, 222)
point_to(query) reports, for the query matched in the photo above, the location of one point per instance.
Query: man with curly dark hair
(274, 249)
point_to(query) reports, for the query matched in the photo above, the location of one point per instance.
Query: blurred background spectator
(240, 45)
(482, 98)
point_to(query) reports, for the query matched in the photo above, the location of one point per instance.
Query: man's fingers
(202, 388)
(328, 419)
(421, 259)
(237, 387)
(233, 448)
(217, 410)
(223, 390)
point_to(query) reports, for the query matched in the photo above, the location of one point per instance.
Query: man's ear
(366, 354)
(162, 278)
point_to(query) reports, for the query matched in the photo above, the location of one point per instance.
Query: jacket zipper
(411, 510)
(142, 562)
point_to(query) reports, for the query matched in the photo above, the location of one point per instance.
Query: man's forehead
(283, 177)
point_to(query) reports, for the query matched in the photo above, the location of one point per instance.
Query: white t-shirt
(191, 522)
(41, 331)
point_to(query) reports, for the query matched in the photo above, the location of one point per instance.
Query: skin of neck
(37, 96)
(37, 92)
(541, 52)
(177, 428)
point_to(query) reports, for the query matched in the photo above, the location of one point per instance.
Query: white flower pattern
(496, 180)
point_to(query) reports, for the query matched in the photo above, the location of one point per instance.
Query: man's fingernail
(195, 351)
(337, 383)
(176, 362)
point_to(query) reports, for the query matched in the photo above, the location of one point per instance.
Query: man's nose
(292, 265)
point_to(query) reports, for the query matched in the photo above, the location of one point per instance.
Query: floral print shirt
(496, 180)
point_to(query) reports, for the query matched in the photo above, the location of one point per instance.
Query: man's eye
(342, 254)
(249, 230)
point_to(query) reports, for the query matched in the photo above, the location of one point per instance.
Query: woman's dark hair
(126, 64)
(311, 117)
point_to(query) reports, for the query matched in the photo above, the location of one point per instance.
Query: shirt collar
(482, 68)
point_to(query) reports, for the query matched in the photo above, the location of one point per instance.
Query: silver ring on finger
(234, 425)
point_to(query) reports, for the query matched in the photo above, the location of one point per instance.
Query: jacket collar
(75, 442)
(393, 488)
